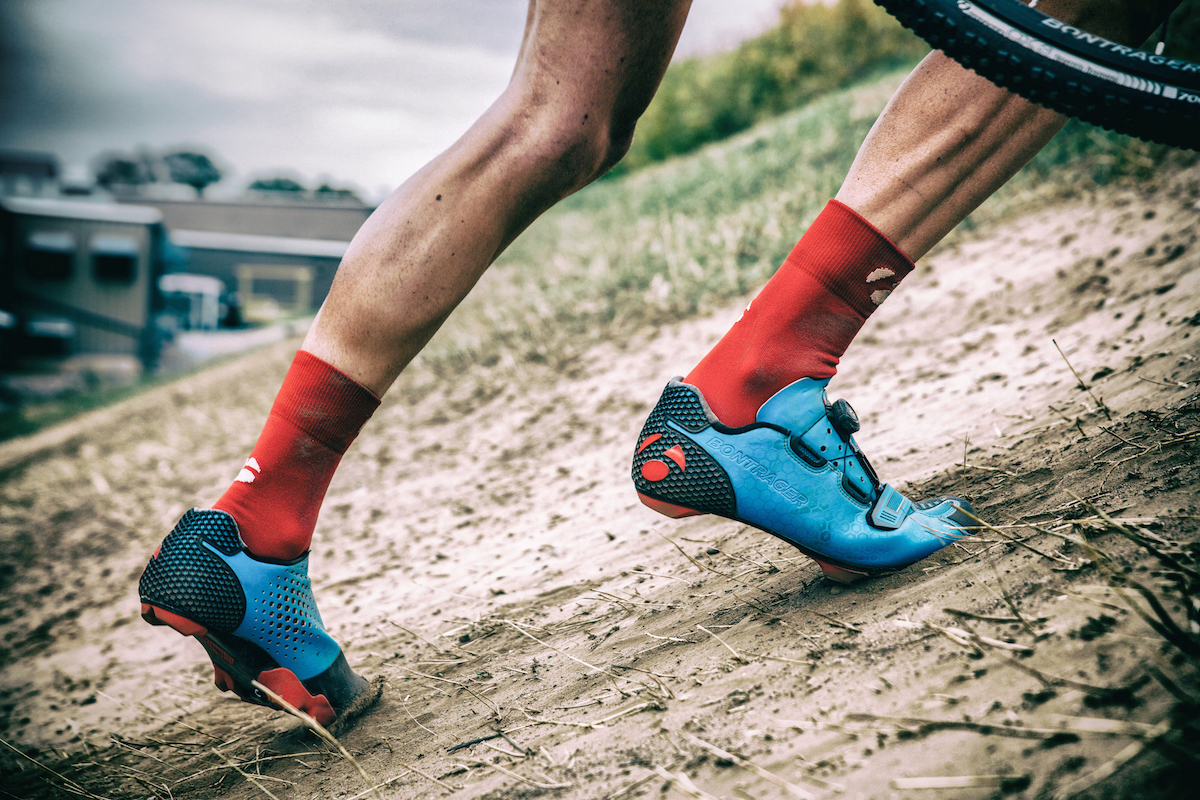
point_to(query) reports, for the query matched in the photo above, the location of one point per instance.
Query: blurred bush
(814, 49)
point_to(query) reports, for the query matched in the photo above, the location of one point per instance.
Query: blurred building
(85, 273)
(80, 277)
(278, 255)
(272, 276)
(192, 301)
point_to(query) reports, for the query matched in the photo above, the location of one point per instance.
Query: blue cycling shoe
(257, 619)
(796, 473)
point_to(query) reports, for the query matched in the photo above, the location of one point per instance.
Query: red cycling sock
(278, 493)
(805, 317)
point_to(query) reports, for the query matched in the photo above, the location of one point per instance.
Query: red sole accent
(281, 681)
(676, 455)
(284, 683)
(222, 680)
(655, 470)
(157, 616)
(840, 574)
(667, 509)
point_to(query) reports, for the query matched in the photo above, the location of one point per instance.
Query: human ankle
(278, 492)
(804, 318)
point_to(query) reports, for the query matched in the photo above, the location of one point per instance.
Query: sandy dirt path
(482, 549)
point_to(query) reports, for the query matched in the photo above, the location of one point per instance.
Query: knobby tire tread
(1158, 102)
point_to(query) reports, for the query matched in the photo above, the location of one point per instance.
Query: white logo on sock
(879, 273)
(877, 297)
(246, 476)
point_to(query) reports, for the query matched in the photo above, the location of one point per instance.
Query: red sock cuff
(324, 402)
(840, 237)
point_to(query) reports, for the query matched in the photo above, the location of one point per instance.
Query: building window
(114, 269)
(114, 259)
(50, 255)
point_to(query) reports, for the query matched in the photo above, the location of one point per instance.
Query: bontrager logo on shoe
(246, 476)
(776, 483)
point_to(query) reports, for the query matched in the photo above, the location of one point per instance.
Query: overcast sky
(356, 92)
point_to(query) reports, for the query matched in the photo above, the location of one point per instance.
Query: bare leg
(586, 71)
(949, 138)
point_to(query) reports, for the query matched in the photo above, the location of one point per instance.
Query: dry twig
(1111, 766)
(1099, 403)
(68, 784)
(984, 618)
(592, 667)
(683, 784)
(495, 708)
(766, 775)
(736, 654)
(316, 728)
(522, 778)
(950, 782)
(622, 792)
(252, 778)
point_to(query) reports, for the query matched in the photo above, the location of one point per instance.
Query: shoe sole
(231, 674)
(835, 572)
(191, 586)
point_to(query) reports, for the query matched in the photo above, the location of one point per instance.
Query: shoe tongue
(796, 406)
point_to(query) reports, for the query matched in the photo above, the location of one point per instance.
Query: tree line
(130, 172)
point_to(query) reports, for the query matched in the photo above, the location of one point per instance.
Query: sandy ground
(482, 549)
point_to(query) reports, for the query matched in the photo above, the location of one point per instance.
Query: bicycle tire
(1056, 65)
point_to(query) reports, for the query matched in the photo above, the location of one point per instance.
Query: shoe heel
(841, 574)
(667, 509)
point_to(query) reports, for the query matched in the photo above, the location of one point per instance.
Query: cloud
(363, 90)
(261, 83)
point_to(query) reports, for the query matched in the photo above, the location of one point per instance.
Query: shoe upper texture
(203, 573)
(793, 474)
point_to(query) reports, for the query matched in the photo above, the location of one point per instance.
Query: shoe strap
(797, 406)
(891, 509)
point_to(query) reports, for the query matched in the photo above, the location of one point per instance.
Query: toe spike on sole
(359, 706)
(222, 680)
(284, 683)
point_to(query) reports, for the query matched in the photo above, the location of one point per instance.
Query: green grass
(33, 417)
(813, 49)
(683, 237)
